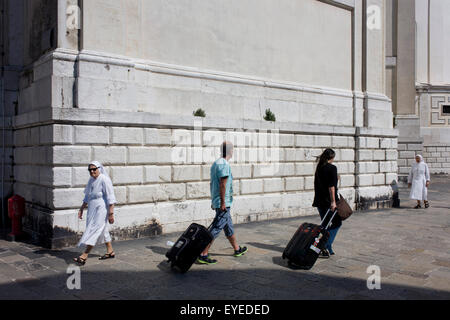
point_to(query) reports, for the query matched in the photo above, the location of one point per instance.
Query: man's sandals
(111, 255)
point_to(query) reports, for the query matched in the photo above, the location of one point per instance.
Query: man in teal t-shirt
(221, 170)
(222, 198)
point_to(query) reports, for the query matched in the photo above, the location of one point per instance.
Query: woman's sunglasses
(92, 170)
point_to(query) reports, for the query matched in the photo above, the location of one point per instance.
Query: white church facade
(119, 81)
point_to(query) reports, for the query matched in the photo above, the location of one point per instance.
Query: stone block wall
(9, 91)
(376, 169)
(407, 152)
(160, 181)
(156, 174)
(34, 179)
(131, 109)
(435, 127)
(438, 158)
(6, 154)
(137, 120)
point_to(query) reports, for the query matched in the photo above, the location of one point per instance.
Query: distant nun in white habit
(100, 199)
(419, 181)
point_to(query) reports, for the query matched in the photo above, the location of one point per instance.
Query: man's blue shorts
(222, 221)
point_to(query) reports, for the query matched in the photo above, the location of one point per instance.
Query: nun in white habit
(419, 181)
(99, 198)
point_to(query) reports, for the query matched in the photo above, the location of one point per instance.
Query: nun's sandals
(80, 261)
(111, 255)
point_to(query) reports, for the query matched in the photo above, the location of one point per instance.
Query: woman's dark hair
(327, 155)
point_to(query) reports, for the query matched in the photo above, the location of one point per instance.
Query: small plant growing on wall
(270, 116)
(200, 113)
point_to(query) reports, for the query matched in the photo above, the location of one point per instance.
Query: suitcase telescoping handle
(329, 222)
(215, 218)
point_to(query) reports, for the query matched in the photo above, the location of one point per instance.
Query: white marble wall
(255, 38)
(159, 162)
(438, 158)
(133, 112)
(435, 129)
(122, 84)
(433, 60)
(418, 58)
(156, 178)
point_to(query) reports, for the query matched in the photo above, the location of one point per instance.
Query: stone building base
(136, 117)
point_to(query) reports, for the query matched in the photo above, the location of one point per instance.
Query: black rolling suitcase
(305, 246)
(188, 247)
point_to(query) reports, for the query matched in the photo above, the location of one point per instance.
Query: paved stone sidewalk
(411, 247)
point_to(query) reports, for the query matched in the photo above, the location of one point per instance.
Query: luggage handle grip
(330, 222)
(214, 220)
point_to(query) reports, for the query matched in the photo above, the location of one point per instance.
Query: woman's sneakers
(240, 252)
(324, 254)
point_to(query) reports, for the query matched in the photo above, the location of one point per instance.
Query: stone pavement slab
(411, 248)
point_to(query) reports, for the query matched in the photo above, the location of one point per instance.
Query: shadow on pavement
(208, 284)
(267, 246)
(65, 255)
(267, 277)
(158, 250)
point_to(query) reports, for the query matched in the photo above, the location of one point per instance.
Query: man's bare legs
(206, 251)
(232, 241)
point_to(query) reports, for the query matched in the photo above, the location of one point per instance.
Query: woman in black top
(326, 195)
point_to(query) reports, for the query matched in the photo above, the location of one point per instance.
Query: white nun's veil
(91, 180)
(100, 167)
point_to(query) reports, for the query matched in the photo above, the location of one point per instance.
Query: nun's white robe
(418, 177)
(99, 195)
